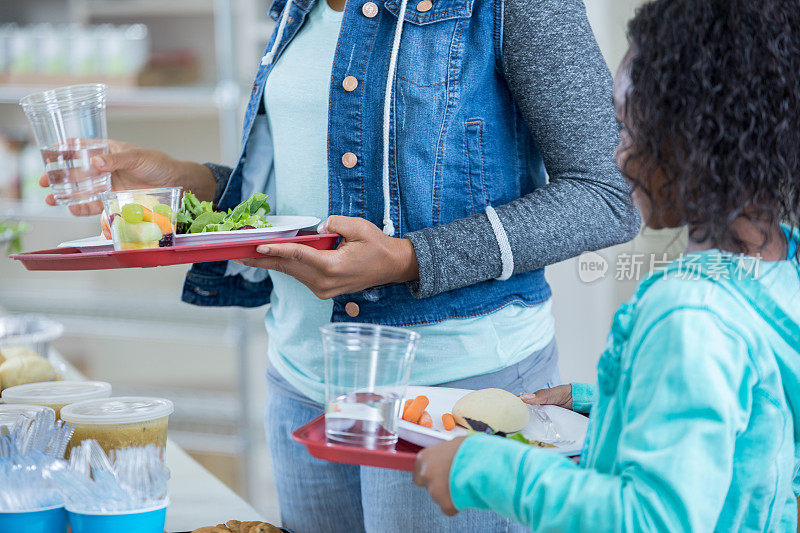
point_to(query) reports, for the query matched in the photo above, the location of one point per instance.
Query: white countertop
(197, 498)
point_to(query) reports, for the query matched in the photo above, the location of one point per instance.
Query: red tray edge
(61, 252)
(70, 259)
(394, 460)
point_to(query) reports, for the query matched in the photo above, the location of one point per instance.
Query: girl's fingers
(531, 399)
(43, 181)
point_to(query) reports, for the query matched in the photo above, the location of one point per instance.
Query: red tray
(73, 259)
(312, 436)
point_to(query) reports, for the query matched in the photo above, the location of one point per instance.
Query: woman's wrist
(405, 265)
(197, 178)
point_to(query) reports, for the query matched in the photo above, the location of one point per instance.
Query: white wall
(584, 311)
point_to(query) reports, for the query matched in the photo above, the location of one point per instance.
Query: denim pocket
(431, 44)
(475, 168)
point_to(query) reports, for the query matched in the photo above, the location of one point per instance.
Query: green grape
(162, 209)
(132, 213)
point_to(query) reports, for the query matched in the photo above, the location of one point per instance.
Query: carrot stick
(448, 421)
(416, 409)
(405, 406)
(425, 420)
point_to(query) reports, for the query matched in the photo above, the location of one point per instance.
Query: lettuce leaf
(199, 217)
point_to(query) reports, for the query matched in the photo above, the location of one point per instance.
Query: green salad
(200, 217)
(11, 233)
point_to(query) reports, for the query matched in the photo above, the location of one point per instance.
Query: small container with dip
(56, 394)
(119, 422)
(9, 413)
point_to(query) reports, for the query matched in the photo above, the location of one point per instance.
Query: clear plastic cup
(69, 124)
(119, 422)
(142, 218)
(56, 394)
(9, 413)
(366, 373)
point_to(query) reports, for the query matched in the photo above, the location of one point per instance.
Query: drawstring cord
(388, 225)
(270, 56)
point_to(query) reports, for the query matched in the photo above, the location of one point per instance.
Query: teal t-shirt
(296, 102)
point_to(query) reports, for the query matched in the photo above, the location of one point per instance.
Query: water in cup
(69, 124)
(365, 419)
(70, 172)
(367, 368)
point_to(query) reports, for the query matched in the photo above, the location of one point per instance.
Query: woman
(696, 417)
(435, 120)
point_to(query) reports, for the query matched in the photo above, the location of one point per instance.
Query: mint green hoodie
(695, 422)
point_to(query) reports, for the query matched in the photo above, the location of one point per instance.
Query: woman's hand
(432, 471)
(560, 396)
(365, 258)
(133, 167)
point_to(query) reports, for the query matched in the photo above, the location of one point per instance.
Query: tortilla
(499, 409)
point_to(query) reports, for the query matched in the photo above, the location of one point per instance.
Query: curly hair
(714, 108)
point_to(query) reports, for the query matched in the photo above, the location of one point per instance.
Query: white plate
(281, 226)
(570, 425)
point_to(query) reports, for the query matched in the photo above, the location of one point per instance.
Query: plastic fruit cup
(56, 394)
(119, 422)
(149, 520)
(9, 413)
(46, 520)
(142, 218)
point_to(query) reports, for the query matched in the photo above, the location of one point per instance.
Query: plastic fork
(552, 436)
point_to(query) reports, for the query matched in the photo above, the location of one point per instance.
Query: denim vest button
(424, 6)
(350, 83)
(349, 160)
(352, 309)
(370, 9)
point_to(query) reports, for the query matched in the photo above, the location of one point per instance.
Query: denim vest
(458, 143)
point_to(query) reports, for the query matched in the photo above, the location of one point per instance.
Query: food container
(56, 394)
(139, 521)
(141, 218)
(47, 520)
(119, 422)
(9, 413)
(30, 331)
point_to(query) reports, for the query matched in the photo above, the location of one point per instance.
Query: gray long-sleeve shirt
(561, 84)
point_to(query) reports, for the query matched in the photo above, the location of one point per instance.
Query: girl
(695, 421)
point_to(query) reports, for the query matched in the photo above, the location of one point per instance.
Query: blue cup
(47, 520)
(138, 521)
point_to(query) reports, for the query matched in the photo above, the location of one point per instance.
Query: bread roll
(26, 369)
(499, 409)
(10, 352)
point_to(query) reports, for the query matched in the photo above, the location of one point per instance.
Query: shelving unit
(205, 421)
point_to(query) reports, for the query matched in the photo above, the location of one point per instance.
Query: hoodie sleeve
(562, 85)
(689, 392)
(221, 175)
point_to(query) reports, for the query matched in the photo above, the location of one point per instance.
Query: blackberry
(166, 240)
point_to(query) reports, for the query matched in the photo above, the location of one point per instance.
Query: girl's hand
(432, 471)
(365, 258)
(133, 167)
(560, 396)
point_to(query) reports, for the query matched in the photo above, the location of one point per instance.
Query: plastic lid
(119, 410)
(10, 412)
(56, 392)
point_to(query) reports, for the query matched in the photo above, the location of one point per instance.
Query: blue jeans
(316, 496)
